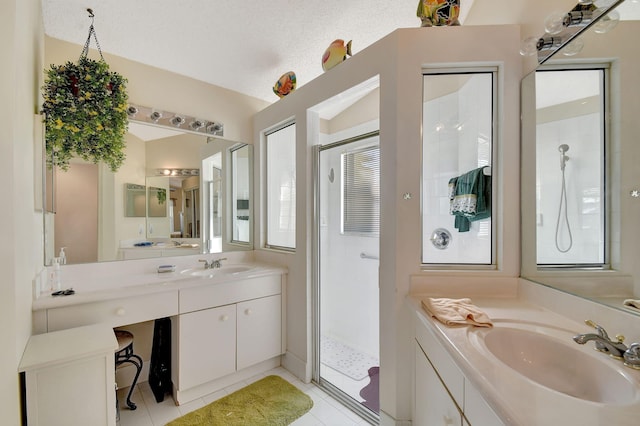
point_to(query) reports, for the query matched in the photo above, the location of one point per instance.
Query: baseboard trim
(297, 367)
(187, 395)
(387, 420)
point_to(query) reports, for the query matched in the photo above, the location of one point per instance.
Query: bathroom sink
(234, 269)
(223, 270)
(553, 363)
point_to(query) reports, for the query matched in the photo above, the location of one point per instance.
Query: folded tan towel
(456, 312)
(634, 303)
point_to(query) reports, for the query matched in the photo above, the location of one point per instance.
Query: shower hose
(565, 217)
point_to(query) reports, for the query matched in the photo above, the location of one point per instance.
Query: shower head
(563, 157)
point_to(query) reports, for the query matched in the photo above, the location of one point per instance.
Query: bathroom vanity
(443, 395)
(65, 366)
(227, 323)
(526, 369)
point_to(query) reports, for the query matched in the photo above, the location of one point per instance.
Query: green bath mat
(270, 401)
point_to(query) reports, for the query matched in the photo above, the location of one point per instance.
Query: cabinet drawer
(441, 360)
(115, 312)
(225, 293)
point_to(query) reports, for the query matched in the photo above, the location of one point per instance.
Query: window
(361, 191)
(459, 110)
(281, 188)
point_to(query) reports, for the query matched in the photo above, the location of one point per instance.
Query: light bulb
(607, 22)
(573, 48)
(177, 120)
(528, 47)
(196, 124)
(155, 116)
(553, 23)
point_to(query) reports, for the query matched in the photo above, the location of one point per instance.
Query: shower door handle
(364, 255)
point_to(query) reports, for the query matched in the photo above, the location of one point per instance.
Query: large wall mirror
(169, 198)
(580, 174)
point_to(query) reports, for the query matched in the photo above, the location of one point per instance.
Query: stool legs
(137, 361)
(127, 355)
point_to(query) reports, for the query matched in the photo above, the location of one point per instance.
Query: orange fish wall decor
(335, 54)
(285, 84)
(434, 13)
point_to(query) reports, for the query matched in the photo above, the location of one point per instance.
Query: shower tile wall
(455, 141)
(583, 174)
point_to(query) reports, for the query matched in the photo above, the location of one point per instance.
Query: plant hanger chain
(92, 31)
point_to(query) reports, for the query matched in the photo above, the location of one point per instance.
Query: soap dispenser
(62, 256)
(56, 283)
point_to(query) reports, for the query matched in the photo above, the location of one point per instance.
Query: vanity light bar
(174, 120)
(178, 172)
(561, 29)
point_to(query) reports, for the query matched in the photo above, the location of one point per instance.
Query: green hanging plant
(162, 195)
(85, 107)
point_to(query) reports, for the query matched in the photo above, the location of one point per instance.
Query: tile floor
(326, 411)
(345, 383)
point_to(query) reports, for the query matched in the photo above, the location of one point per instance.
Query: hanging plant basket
(85, 107)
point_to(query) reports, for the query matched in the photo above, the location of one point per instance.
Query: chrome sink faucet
(215, 263)
(632, 356)
(603, 343)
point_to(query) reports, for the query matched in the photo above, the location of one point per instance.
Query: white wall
(76, 224)
(153, 87)
(398, 60)
(132, 171)
(21, 252)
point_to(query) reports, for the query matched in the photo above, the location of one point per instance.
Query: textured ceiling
(246, 45)
(241, 45)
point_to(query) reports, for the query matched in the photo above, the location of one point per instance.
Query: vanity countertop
(516, 399)
(102, 288)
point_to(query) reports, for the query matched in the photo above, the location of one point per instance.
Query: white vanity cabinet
(69, 377)
(223, 329)
(207, 345)
(442, 394)
(259, 330)
(433, 405)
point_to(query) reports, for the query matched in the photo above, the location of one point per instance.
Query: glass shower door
(347, 340)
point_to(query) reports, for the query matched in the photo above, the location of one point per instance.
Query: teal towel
(470, 198)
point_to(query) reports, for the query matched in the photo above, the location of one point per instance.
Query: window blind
(361, 191)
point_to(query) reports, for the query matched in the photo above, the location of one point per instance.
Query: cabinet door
(432, 405)
(476, 409)
(207, 345)
(259, 330)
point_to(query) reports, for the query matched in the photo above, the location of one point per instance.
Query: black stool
(124, 353)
